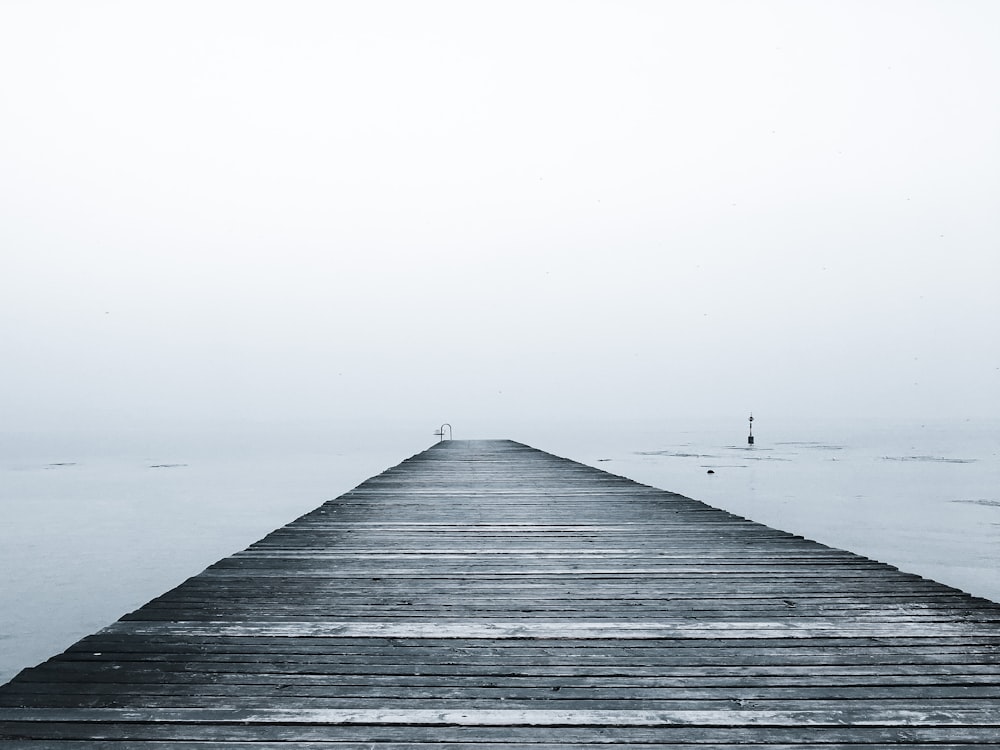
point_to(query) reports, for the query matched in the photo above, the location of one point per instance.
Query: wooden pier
(484, 594)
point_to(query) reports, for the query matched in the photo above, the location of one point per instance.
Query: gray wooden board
(504, 736)
(485, 594)
(438, 745)
(409, 745)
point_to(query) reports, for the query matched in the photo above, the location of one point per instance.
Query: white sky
(491, 212)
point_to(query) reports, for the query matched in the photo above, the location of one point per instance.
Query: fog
(493, 214)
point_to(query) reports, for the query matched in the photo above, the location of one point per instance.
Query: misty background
(312, 215)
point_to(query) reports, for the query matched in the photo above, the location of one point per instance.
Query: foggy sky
(485, 212)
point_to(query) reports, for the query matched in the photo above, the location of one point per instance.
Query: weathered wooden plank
(582, 630)
(505, 736)
(408, 745)
(529, 675)
(447, 745)
(859, 717)
(260, 698)
(453, 745)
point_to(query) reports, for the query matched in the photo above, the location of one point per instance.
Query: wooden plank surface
(484, 594)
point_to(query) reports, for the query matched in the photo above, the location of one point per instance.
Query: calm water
(92, 527)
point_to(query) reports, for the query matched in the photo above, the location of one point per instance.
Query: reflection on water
(811, 444)
(938, 459)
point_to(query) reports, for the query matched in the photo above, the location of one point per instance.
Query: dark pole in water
(750, 436)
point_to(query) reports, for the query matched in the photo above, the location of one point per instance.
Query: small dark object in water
(711, 471)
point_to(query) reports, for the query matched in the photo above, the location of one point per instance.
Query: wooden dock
(484, 594)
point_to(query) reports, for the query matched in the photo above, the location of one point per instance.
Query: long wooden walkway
(484, 594)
